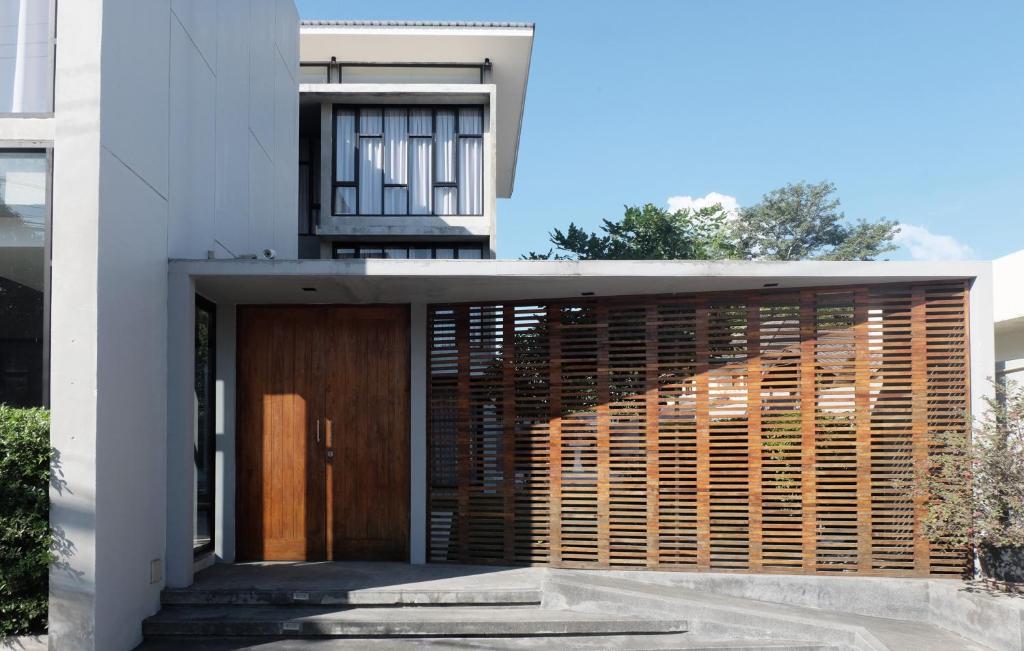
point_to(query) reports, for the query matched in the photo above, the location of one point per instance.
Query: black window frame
(434, 183)
(210, 308)
(357, 247)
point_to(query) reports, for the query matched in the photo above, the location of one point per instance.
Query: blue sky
(914, 109)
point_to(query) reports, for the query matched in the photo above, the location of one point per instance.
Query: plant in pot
(974, 487)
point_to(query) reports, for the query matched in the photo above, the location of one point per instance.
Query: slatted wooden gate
(767, 431)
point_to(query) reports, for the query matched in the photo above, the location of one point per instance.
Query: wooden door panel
(280, 485)
(366, 404)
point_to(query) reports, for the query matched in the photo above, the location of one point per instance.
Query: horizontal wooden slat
(770, 431)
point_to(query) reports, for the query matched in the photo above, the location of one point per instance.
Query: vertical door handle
(317, 430)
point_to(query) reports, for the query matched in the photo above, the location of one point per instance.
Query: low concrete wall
(990, 618)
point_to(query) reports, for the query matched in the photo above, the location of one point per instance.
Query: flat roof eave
(441, 281)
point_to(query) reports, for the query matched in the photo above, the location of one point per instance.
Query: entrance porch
(474, 513)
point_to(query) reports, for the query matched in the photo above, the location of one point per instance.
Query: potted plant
(974, 487)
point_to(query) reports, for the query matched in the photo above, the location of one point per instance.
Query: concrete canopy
(507, 45)
(441, 281)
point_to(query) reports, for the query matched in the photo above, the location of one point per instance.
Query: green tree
(647, 233)
(800, 221)
(803, 221)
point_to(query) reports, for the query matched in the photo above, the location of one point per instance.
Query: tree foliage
(800, 221)
(25, 542)
(975, 489)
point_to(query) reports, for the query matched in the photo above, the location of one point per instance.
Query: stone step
(452, 621)
(405, 596)
(675, 641)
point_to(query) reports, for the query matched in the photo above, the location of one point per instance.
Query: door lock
(330, 454)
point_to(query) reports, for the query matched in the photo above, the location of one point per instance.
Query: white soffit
(507, 45)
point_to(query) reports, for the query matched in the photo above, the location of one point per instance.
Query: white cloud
(729, 204)
(922, 244)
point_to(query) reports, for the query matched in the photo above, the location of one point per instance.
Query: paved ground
(585, 643)
(362, 576)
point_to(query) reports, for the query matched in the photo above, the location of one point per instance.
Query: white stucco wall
(153, 100)
(1008, 274)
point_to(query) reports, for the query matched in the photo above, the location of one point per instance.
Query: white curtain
(396, 146)
(371, 175)
(420, 179)
(444, 148)
(25, 56)
(471, 173)
(444, 201)
(396, 201)
(345, 155)
(421, 122)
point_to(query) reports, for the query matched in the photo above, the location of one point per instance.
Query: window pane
(345, 155)
(421, 253)
(396, 201)
(396, 253)
(22, 277)
(371, 122)
(345, 253)
(421, 122)
(312, 74)
(420, 178)
(469, 254)
(202, 534)
(368, 252)
(410, 75)
(396, 146)
(345, 201)
(371, 175)
(444, 201)
(471, 121)
(445, 254)
(444, 148)
(25, 50)
(471, 176)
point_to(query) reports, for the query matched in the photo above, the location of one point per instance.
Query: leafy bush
(975, 489)
(25, 552)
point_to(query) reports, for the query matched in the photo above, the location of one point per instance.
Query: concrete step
(405, 596)
(453, 621)
(677, 641)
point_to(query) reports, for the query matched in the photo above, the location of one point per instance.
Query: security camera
(268, 254)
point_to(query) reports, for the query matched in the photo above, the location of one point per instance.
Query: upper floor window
(370, 73)
(26, 56)
(408, 161)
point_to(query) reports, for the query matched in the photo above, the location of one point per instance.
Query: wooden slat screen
(766, 431)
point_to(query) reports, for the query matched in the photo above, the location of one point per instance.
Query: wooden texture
(770, 431)
(322, 440)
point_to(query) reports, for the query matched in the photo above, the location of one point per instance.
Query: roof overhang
(508, 46)
(445, 281)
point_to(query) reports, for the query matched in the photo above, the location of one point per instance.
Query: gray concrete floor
(351, 576)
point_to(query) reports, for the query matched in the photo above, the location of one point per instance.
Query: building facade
(253, 274)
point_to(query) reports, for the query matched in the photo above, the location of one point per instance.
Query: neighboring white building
(1008, 307)
(248, 261)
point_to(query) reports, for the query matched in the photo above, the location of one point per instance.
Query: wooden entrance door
(322, 441)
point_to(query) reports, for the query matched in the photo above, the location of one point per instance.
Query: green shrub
(25, 548)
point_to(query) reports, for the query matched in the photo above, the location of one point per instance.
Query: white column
(224, 545)
(418, 434)
(181, 467)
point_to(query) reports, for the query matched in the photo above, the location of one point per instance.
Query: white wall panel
(134, 102)
(191, 149)
(262, 52)
(198, 19)
(261, 196)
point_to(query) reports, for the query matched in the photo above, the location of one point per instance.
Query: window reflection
(23, 193)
